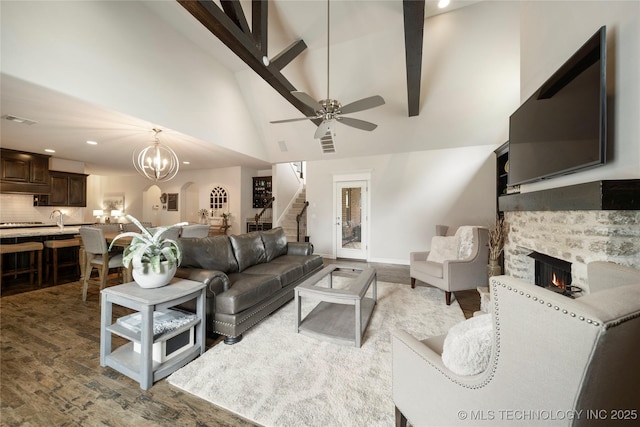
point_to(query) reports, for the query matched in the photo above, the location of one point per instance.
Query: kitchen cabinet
(67, 189)
(24, 172)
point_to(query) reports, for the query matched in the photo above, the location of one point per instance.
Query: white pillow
(467, 346)
(443, 248)
(465, 242)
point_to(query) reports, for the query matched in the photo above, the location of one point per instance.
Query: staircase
(289, 223)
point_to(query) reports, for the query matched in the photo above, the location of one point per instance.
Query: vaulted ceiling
(376, 48)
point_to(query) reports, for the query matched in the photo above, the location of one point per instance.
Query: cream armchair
(454, 263)
(554, 360)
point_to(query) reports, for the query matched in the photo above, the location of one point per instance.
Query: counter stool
(51, 256)
(34, 267)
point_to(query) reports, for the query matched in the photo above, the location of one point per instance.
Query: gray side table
(141, 366)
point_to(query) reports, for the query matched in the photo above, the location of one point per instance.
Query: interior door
(351, 216)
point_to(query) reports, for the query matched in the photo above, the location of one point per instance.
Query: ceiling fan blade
(294, 120)
(307, 99)
(357, 123)
(322, 130)
(363, 104)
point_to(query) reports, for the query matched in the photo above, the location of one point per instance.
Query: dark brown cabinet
(23, 172)
(261, 191)
(67, 189)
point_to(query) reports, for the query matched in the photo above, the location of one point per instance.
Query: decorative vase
(493, 268)
(152, 279)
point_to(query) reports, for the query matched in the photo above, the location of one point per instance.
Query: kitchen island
(36, 233)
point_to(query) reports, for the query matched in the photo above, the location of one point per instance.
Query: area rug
(276, 377)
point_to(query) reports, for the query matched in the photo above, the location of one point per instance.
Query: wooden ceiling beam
(413, 41)
(233, 9)
(289, 54)
(259, 13)
(226, 30)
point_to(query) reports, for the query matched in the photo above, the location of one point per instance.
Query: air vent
(327, 144)
(19, 120)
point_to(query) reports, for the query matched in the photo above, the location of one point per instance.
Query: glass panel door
(351, 218)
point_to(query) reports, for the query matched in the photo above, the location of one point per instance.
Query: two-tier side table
(141, 365)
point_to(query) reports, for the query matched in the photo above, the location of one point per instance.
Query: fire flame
(557, 283)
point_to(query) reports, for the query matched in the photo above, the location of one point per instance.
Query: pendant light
(156, 162)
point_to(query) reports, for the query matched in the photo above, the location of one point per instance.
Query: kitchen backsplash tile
(19, 208)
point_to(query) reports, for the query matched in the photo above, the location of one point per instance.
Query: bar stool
(53, 246)
(33, 248)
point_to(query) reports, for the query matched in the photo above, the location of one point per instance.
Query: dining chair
(195, 230)
(108, 228)
(97, 256)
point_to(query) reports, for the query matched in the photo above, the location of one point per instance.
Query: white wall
(121, 56)
(410, 194)
(551, 31)
(133, 187)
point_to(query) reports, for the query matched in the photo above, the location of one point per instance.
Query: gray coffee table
(343, 314)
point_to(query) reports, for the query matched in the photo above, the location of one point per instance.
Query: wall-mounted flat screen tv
(562, 128)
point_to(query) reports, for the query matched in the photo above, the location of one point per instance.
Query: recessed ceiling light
(186, 163)
(49, 150)
(92, 143)
(443, 3)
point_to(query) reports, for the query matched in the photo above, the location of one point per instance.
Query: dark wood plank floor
(50, 372)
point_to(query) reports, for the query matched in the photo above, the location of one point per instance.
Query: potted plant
(151, 256)
(496, 246)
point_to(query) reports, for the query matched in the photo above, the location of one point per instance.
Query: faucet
(60, 221)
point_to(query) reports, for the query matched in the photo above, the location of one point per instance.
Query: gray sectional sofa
(248, 276)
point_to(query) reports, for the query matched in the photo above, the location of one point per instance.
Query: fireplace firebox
(554, 274)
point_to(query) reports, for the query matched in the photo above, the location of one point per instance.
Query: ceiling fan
(331, 110)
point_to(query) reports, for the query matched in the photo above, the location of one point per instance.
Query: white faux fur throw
(467, 346)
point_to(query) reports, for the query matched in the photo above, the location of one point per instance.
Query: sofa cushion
(286, 272)
(275, 243)
(308, 262)
(210, 253)
(433, 269)
(247, 290)
(248, 249)
(443, 248)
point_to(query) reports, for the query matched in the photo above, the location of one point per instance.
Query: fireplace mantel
(597, 195)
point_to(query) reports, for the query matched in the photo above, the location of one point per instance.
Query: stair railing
(299, 218)
(259, 215)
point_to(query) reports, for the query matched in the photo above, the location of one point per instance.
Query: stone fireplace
(577, 236)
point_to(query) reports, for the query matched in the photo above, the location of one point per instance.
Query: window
(219, 198)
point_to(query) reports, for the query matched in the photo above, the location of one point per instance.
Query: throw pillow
(443, 248)
(467, 346)
(464, 235)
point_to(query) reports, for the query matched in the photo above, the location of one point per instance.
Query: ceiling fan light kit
(330, 110)
(156, 162)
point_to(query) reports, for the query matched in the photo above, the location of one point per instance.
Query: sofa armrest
(216, 281)
(299, 248)
(418, 256)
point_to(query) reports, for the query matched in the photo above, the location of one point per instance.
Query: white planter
(151, 279)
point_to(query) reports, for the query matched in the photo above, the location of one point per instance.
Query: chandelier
(156, 162)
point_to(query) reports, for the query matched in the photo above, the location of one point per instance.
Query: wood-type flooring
(50, 372)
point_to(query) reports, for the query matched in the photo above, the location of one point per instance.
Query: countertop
(39, 231)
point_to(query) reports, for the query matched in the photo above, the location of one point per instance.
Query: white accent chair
(553, 359)
(451, 264)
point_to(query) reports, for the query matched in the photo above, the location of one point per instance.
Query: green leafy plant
(149, 250)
